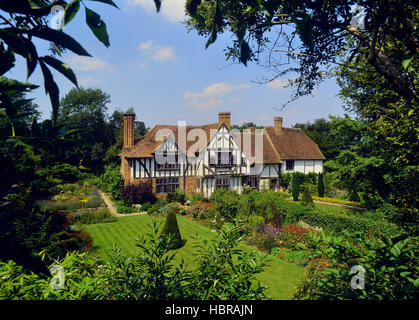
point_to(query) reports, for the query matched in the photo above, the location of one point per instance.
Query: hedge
(338, 222)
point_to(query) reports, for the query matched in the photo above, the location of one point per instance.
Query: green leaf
(305, 30)
(192, 6)
(8, 86)
(7, 59)
(215, 25)
(59, 38)
(97, 26)
(110, 2)
(31, 57)
(14, 40)
(406, 62)
(36, 4)
(51, 89)
(63, 68)
(71, 10)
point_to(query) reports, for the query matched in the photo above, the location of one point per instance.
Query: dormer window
(224, 159)
(170, 162)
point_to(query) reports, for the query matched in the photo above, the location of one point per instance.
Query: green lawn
(279, 276)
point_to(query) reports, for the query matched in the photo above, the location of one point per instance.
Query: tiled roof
(294, 144)
(290, 144)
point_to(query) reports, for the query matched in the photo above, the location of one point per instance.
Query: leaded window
(167, 184)
(222, 182)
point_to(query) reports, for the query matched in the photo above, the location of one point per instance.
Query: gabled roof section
(147, 145)
(269, 153)
(294, 144)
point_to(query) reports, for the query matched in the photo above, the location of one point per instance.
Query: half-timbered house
(204, 158)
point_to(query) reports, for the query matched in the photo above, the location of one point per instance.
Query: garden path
(111, 207)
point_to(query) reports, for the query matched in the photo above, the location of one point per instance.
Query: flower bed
(339, 201)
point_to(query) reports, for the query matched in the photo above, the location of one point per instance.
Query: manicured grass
(279, 276)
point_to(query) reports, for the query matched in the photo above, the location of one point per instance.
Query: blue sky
(165, 73)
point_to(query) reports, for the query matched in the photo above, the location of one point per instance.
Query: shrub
(100, 215)
(155, 208)
(139, 193)
(201, 210)
(354, 196)
(113, 181)
(176, 196)
(285, 179)
(227, 203)
(255, 220)
(295, 185)
(292, 235)
(196, 197)
(146, 206)
(390, 267)
(320, 185)
(306, 199)
(268, 204)
(122, 208)
(299, 257)
(265, 237)
(338, 222)
(312, 274)
(174, 207)
(66, 172)
(171, 229)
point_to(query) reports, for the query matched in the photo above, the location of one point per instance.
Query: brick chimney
(278, 124)
(129, 130)
(224, 117)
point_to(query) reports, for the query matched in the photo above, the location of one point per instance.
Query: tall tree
(86, 110)
(22, 21)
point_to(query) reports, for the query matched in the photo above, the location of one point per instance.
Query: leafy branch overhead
(23, 20)
(314, 34)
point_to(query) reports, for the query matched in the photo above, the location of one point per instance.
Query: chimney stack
(224, 117)
(278, 124)
(129, 130)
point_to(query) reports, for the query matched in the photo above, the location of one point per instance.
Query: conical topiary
(320, 186)
(354, 196)
(171, 228)
(295, 185)
(307, 200)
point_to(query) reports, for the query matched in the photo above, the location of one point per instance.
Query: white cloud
(144, 46)
(157, 52)
(88, 64)
(164, 54)
(277, 84)
(209, 97)
(172, 10)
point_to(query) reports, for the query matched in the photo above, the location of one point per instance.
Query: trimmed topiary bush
(320, 185)
(354, 196)
(171, 228)
(295, 185)
(306, 199)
